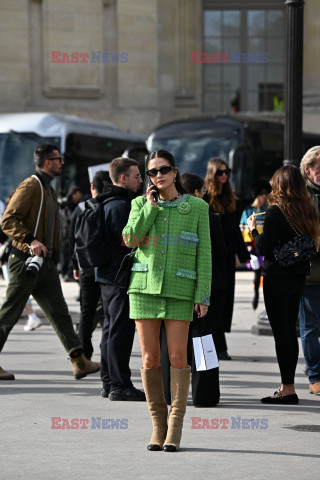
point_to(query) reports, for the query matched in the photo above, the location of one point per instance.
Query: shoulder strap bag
(40, 208)
(122, 279)
(299, 249)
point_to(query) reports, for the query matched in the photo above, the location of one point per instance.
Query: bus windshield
(194, 143)
(16, 158)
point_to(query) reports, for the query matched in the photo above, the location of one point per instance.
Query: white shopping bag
(254, 262)
(205, 354)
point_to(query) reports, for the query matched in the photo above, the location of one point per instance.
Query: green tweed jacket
(173, 258)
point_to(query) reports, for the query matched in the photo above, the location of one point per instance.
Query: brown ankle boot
(82, 366)
(180, 382)
(5, 375)
(153, 387)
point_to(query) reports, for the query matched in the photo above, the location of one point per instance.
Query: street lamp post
(293, 84)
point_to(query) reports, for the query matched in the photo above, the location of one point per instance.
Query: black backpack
(91, 243)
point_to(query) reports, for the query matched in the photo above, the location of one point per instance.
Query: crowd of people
(178, 243)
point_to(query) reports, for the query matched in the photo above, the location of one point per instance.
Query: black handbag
(299, 249)
(123, 276)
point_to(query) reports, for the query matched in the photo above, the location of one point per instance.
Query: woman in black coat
(291, 208)
(222, 199)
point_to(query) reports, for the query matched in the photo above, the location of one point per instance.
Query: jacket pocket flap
(189, 236)
(187, 273)
(139, 267)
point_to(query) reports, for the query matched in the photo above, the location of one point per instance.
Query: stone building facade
(132, 60)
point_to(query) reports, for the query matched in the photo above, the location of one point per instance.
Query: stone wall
(157, 83)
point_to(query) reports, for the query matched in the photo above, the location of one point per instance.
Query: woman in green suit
(171, 277)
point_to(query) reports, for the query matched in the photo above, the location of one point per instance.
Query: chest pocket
(188, 243)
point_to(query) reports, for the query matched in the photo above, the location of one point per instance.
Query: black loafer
(105, 393)
(169, 448)
(127, 394)
(282, 400)
(153, 447)
(224, 355)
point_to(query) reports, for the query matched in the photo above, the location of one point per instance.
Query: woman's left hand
(201, 310)
(251, 222)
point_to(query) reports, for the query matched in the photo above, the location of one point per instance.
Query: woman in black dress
(290, 205)
(222, 199)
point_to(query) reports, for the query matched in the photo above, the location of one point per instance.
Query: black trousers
(282, 295)
(213, 321)
(256, 280)
(117, 338)
(229, 298)
(89, 297)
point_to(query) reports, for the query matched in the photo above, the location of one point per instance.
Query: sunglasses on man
(163, 170)
(227, 172)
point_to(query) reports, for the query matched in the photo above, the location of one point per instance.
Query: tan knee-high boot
(153, 387)
(180, 382)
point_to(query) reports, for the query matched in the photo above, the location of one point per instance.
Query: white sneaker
(32, 323)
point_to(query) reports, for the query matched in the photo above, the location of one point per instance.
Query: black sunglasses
(163, 170)
(227, 172)
(56, 158)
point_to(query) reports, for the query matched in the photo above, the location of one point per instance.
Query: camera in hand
(33, 265)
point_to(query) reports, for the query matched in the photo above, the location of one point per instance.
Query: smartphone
(155, 191)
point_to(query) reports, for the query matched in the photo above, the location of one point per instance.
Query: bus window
(83, 151)
(242, 176)
(16, 158)
(138, 154)
(193, 148)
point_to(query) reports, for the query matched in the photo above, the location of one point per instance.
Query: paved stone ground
(45, 388)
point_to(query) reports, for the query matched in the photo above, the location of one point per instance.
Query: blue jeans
(309, 330)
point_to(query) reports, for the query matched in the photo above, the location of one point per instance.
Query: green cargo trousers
(46, 289)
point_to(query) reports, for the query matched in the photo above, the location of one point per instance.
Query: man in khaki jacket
(31, 220)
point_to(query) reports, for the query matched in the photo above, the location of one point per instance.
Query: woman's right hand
(149, 196)
(251, 222)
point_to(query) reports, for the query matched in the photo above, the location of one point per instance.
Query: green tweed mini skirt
(143, 305)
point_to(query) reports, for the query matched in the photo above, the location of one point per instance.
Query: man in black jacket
(118, 330)
(89, 288)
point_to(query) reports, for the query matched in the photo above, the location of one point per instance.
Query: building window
(252, 75)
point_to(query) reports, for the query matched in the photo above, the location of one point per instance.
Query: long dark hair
(192, 182)
(226, 201)
(290, 193)
(170, 158)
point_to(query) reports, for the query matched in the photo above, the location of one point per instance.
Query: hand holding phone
(153, 190)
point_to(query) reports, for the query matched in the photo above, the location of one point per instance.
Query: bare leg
(148, 331)
(177, 339)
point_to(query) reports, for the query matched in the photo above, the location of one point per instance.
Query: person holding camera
(31, 220)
